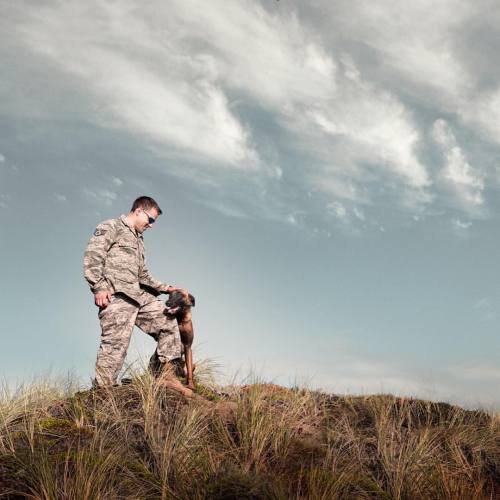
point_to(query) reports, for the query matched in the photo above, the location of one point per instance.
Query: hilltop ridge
(257, 441)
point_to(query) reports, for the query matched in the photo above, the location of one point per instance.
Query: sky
(328, 171)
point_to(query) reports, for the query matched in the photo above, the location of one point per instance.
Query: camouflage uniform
(114, 261)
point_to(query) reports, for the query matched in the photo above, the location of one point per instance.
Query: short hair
(147, 203)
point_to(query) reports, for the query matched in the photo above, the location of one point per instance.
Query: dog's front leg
(187, 336)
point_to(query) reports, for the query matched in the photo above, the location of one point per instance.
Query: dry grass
(141, 441)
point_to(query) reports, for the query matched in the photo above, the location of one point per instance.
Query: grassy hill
(142, 441)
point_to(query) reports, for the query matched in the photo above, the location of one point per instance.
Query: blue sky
(328, 172)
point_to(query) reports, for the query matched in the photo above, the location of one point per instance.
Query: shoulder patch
(99, 232)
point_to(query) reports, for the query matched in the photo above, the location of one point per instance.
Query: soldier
(126, 293)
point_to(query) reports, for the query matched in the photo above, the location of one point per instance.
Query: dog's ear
(191, 299)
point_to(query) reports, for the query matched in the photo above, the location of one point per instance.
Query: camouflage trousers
(117, 323)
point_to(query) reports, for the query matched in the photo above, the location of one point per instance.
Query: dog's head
(176, 302)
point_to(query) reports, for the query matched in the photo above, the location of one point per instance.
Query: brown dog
(180, 307)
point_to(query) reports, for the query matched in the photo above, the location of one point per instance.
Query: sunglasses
(151, 220)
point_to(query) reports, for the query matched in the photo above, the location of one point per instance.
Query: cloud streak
(102, 196)
(188, 113)
(267, 101)
(464, 179)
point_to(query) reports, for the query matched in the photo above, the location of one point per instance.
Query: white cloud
(224, 209)
(346, 89)
(461, 225)
(2, 158)
(484, 110)
(4, 200)
(466, 180)
(418, 46)
(173, 83)
(430, 57)
(486, 309)
(60, 197)
(347, 214)
(336, 208)
(117, 181)
(103, 196)
(483, 303)
(272, 57)
(379, 127)
(173, 102)
(358, 213)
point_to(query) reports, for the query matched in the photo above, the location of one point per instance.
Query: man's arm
(146, 279)
(95, 258)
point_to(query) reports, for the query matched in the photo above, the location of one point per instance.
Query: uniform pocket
(128, 248)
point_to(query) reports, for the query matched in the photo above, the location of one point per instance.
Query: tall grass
(257, 441)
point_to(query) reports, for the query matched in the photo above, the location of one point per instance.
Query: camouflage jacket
(114, 261)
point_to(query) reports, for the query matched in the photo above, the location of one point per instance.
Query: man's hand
(184, 292)
(102, 298)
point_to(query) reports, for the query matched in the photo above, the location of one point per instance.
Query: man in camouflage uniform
(126, 293)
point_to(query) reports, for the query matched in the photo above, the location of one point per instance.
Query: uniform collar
(123, 218)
